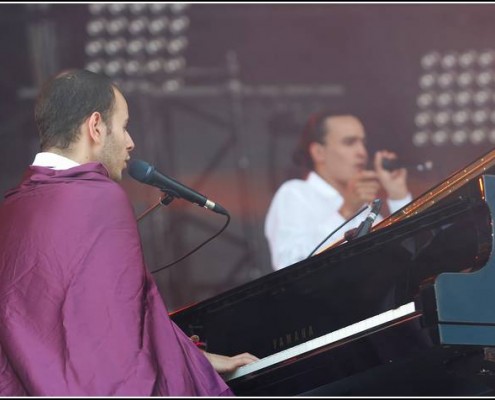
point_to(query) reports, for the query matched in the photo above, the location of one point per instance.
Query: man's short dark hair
(66, 101)
(314, 131)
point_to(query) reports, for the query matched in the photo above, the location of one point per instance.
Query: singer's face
(343, 152)
(117, 143)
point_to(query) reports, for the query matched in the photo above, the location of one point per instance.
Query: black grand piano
(407, 310)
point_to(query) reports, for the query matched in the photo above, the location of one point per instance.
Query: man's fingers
(245, 358)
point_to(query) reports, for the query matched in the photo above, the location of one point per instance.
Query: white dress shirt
(54, 161)
(302, 213)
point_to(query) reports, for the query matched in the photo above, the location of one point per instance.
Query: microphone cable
(339, 227)
(196, 248)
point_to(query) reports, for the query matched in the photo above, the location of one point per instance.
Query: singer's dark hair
(314, 131)
(66, 100)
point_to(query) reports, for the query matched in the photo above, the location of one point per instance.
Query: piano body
(408, 309)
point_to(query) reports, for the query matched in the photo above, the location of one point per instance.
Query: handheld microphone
(146, 173)
(365, 226)
(391, 164)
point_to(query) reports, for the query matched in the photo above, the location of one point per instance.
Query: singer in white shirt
(304, 212)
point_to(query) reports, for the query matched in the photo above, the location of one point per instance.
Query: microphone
(391, 164)
(365, 226)
(337, 229)
(146, 173)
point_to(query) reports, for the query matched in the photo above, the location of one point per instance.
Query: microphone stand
(169, 196)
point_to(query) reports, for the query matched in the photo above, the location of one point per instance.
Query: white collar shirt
(52, 160)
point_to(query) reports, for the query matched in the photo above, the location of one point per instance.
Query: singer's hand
(224, 364)
(394, 182)
(362, 188)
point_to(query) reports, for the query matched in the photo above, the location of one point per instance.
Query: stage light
(467, 59)
(171, 85)
(154, 65)
(439, 137)
(156, 46)
(459, 137)
(425, 100)
(132, 68)
(139, 42)
(444, 99)
(158, 8)
(456, 97)
(158, 26)
(479, 117)
(116, 8)
(138, 26)
(449, 60)
(114, 68)
(173, 65)
(137, 8)
(179, 25)
(484, 78)
(477, 136)
(442, 118)
(96, 65)
(465, 79)
(136, 47)
(427, 81)
(95, 48)
(463, 98)
(178, 8)
(460, 118)
(423, 119)
(420, 138)
(446, 80)
(115, 46)
(486, 59)
(97, 8)
(96, 27)
(430, 60)
(117, 26)
(177, 45)
(481, 97)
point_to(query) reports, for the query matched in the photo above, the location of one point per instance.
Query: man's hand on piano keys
(226, 364)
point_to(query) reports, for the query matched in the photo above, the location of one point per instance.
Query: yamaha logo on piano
(293, 338)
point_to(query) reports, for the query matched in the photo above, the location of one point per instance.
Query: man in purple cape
(80, 314)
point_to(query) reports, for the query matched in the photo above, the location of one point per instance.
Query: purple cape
(80, 314)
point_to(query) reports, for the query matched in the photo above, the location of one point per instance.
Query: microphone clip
(351, 234)
(168, 197)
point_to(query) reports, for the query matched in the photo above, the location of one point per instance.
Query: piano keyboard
(329, 338)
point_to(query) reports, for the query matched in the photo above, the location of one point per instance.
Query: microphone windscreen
(391, 164)
(139, 170)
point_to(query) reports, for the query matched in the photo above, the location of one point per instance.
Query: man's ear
(96, 127)
(316, 151)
